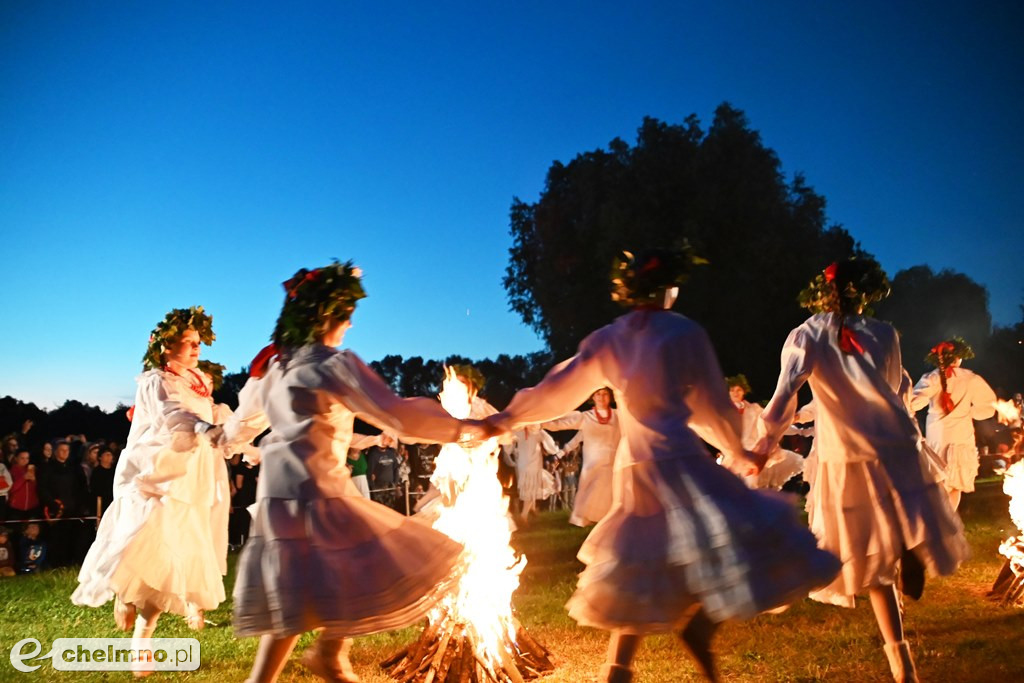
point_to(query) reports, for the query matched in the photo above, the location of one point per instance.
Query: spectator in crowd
(90, 460)
(555, 480)
(383, 465)
(6, 553)
(404, 477)
(5, 489)
(569, 465)
(244, 477)
(44, 456)
(24, 498)
(32, 556)
(101, 483)
(356, 462)
(10, 448)
(62, 492)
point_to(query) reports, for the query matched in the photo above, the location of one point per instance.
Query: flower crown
(315, 300)
(471, 375)
(642, 280)
(169, 330)
(944, 353)
(845, 286)
(739, 380)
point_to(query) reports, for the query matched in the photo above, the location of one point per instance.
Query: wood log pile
(445, 651)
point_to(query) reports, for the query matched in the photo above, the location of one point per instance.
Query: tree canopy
(928, 307)
(721, 189)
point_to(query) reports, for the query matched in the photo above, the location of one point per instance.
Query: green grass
(956, 634)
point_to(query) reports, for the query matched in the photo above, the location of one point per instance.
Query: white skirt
(858, 514)
(348, 565)
(593, 496)
(155, 551)
(686, 531)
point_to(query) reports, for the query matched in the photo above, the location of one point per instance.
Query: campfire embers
(445, 652)
(471, 635)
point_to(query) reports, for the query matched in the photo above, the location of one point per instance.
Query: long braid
(945, 398)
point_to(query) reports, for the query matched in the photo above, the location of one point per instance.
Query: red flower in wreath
(830, 272)
(653, 264)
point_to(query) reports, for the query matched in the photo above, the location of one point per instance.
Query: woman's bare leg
(271, 657)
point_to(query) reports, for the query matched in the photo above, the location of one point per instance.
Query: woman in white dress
(782, 464)
(685, 542)
(320, 555)
(162, 544)
(873, 497)
(526, 453)
(599, 433)
(955, 397)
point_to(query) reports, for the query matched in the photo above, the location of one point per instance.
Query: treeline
(411, 376)
(765, 235)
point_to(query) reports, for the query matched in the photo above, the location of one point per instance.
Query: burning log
(471, 636)
(446, 651)
(1009, 585)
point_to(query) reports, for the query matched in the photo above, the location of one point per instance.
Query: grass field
(957, 635)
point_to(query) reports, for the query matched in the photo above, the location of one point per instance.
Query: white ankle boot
(900, 662)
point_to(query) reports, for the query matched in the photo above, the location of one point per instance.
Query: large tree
(723, 190)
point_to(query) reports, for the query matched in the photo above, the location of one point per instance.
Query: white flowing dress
(872, 494)
(681, 529)
(528, 448)
(782, 464)
(951, 435)
(163, 541)
(320, 554)
(600, 440)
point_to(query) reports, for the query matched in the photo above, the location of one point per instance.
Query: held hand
(476, 430)
(216, 436)
(756, 462)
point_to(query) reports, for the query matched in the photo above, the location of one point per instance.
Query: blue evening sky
(163, 154)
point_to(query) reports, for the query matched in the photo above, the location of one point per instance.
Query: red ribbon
(654, 263)
(830, 272)
(261, 362)
(130, 413)
(848, 341)
(292, 285)
(946, 401)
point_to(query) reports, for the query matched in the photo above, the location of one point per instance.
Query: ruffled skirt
(687, 531)
(961, 466)
(530, 483)
(593, 496)
(780, 468)
(861, 516)
(156, 551)
(348, 565)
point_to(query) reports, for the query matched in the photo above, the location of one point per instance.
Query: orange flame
(1013, 486)
(474, 511)
(1007, 411)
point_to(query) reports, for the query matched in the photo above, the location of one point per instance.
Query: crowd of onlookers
(50, 497)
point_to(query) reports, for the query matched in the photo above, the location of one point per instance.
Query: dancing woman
(685, 545)
(598, 430)
(872, 496)
(320, 555)
(955, 398)
(782, 464)
(162, 544)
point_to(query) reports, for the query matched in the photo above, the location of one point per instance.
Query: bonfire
(472, 635)
(1010, 583)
